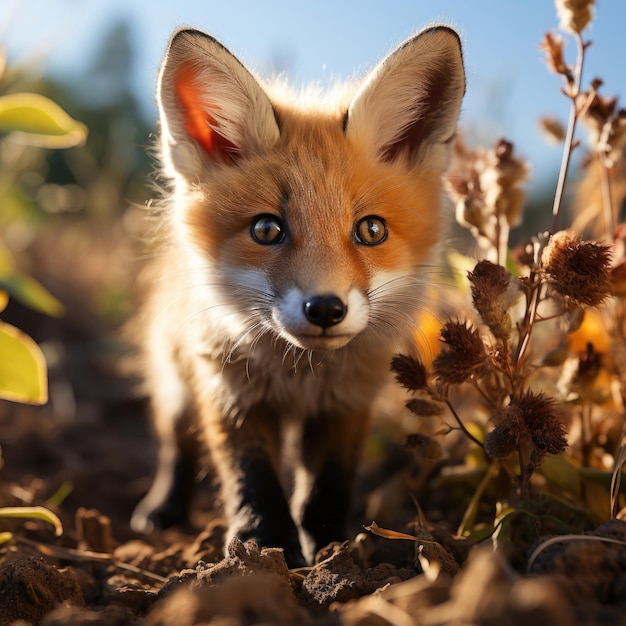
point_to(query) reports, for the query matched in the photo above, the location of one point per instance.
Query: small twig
(462, 426)
(72, 554)
(586, 434)
(486, 397)
(530, 317)
(502, 240)
(574, 92)
(565, 539)
(616, 479)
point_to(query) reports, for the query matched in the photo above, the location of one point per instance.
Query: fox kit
(289, 274)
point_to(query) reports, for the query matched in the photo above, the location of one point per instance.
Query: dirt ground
(89, 455)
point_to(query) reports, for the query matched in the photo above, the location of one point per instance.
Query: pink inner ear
(199, 123)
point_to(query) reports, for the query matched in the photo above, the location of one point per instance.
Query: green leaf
(33, 512)
(61, 494)
(31, 293)
(23, 371)
(562, 472)
(469, 518)
(24, 288)
(36, 120)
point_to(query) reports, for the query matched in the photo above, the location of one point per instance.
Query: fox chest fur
(297, 238)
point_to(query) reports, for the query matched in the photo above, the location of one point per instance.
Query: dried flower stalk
(572, 91)
(486, 186)
(559, 275)
(606, 127)
(574, 15)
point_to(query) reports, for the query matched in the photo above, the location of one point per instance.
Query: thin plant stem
(469, 517)
(610, 222)
(529, 319)
(586, 433)
(462, 426)
(502, 240)
(574, 92)
(486, 397)
(524, 476)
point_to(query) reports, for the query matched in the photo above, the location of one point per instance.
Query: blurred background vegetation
(72, 218)
(75, 218)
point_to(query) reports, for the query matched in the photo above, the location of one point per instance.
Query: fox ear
(409, 105)
(211, 108)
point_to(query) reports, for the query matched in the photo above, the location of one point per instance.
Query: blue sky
(509, 87)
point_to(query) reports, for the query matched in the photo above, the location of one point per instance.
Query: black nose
(325, 311)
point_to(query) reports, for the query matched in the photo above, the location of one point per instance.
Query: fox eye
(267, 230)
(371, 230)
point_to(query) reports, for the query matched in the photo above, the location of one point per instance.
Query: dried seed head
(465, 355)
(577, 269)
(507, 434)
(584, 377)
(616, 138)
(552, 45)
(574, 15)
(543, 422)
(589, 366)
(532, 418)
(552, 129)
(410, 372)
(502, 179)
(425, 407)
(605, 124)
(494, 292)
(486, 187)
(463, 184)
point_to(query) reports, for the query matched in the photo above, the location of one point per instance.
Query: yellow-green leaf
(26, 289)
(23, 371)
(33, 512)
(36, 120)
(31, 293)
(5, 537)
(7, 264)
(460, 266)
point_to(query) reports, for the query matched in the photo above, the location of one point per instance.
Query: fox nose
(325, 311)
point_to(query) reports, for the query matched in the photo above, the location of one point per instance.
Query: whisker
(253, 344)
(298, 358)
(229, 355)
(383, 325)
(310, 361)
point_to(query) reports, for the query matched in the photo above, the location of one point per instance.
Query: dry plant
(541, 350)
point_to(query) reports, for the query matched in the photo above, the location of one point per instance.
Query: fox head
(311, 219)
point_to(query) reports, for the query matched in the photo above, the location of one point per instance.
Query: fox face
(318, 262)
(294, 224)
(313, 213)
